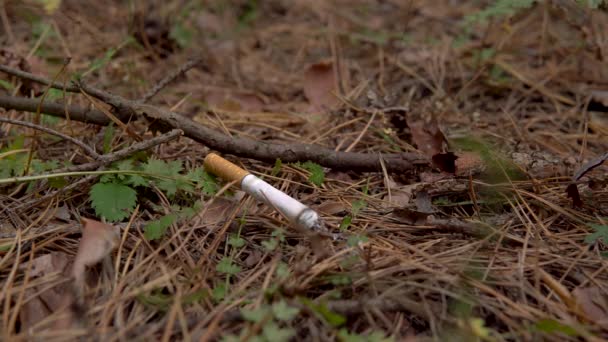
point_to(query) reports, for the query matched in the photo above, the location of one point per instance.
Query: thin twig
(168, 79)
(38, 79)
(103, 161)
(125, 152)
(77, 142)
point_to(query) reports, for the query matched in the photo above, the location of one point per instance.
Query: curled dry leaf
(320, 86)
(98, 240)
(47, 301)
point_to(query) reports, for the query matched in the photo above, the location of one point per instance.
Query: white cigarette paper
(296, 212)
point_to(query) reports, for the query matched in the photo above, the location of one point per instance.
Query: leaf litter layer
(505, 99)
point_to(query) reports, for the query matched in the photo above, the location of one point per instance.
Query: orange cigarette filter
(224, 169)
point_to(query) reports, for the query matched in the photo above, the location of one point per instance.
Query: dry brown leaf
(320, 86)
(332, 207)
(98, 240)
(217, 211)
(428, 137)
(468, 163)
(46, 301)
(594, 303)
(234, 101)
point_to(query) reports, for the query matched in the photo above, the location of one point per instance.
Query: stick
(168, 79)
(76, 142)
(239, 146)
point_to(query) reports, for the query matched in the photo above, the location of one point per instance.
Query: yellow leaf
(50, 6)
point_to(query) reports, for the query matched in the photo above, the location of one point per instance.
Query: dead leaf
(98, 240)
(234, 101)
(253, 258)
(428, 137)
(411, 217)
(46, 301)
(320, 86)
(398, 199)
(468, 163)
(217, 211)
(48, 263)
(332, 207)
(594, 304)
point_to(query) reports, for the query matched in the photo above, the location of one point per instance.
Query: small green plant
(601, 233)
(376, 336)
(322, 311)
(552, 326)
(317, 174)
(115, 196)
(356, 207)
(273, 318)
(499, 8)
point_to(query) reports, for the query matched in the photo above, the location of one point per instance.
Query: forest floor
(490, 224)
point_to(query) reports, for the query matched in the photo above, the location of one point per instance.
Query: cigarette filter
(296, 212)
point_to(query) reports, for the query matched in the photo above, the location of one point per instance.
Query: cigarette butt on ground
(296, 212)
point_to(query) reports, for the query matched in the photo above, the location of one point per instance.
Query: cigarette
(297, 213)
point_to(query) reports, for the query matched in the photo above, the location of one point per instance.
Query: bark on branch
(238, 146)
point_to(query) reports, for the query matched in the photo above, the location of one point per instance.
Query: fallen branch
(238, 146)
(76, 142)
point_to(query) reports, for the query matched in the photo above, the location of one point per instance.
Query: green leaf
(99, 63)
(270, 244)
(203, 180)
(156, 229)
(108, 136)
(346, 221)
(272, 332)
(601, 232)
(282, 271)
(357, 206)
(219, 292)
(553, 326)
(181, 34)
(227, 267)
(113, 201)
(317, 175)
(171, 170)
(354, 240)
(156, 300)
(376, 336)
(6, 85)
(255, 315)
(284, 312)
(321, 310)
(236, 241)
(195, 297)
(278, 165)
(230, 338)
